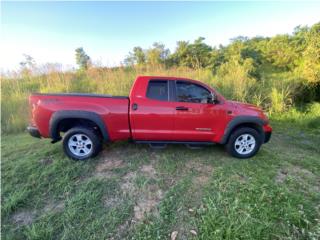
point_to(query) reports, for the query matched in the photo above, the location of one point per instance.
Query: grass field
(133, 192)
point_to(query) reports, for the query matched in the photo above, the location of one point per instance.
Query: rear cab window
(158, 90)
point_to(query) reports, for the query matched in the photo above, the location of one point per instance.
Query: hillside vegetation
(275, 73)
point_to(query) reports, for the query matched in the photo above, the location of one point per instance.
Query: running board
(173, 142)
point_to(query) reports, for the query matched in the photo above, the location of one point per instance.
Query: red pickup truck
(159, 110)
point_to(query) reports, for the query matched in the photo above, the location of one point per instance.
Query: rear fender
(58, 116)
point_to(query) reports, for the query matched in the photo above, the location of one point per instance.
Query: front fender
(241, 120)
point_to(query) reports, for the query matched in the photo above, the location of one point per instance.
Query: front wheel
(244, 143)
(81, 143)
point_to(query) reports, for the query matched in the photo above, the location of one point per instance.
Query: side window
(158, 90)
(190, 92)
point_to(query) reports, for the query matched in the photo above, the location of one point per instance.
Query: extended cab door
(151, 112)
(196, 118)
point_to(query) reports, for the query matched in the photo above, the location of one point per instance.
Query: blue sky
(50, 31)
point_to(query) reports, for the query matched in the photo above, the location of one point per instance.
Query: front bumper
(34, 132)
(267, 132)
(267, 136)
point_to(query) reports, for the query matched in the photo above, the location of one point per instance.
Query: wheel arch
(243, 121)
(61, 121)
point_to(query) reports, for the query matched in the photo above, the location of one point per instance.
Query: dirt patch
(23, 218)
(54, 207)
(122, 230)
(109, 164)
(199, 167)
(127, 186)
(295, 172)
(310, 182)
(147, 198)
(201, 180)
(147, 202)
(302, 171)
(281, 176)
(239, 178)
(104, 168)
(148, 171)
(112, 202)
(112, 160)
(46, 161)
(204, 171)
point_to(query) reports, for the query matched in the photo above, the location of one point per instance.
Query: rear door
(151, 113)
(195, 115)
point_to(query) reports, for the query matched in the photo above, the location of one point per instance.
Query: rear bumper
(34, 132)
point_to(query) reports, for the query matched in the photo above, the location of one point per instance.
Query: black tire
(84, 133)
(232, 148)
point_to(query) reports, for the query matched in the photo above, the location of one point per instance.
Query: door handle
(134, 106)
(181, 108)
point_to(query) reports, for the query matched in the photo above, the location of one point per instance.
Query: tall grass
(272, 92)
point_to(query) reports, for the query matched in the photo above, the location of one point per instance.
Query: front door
(195, 115)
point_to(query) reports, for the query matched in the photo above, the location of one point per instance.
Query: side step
(163, 144)
(157, 145)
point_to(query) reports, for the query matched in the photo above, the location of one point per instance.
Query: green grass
(132, 192)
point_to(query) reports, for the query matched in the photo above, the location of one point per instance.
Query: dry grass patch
(204, 171)
(147, 197)
(127, 185)
(111, 159)
(147, 202)
(294, 172)
(148, 170)
(307, 180)
(46, 161)
(54, 207)
(23, 218)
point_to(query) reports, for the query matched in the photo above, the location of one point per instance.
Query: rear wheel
(80, 143)
(244, 143)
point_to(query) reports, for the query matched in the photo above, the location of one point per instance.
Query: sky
(51, 31)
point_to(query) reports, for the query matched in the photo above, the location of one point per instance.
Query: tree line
(243, 62)
(255, 58)
(299, 51)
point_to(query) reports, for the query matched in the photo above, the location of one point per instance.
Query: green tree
(195, 55)
(244, 50)
(280, 52)
(199, 54)
(311, 55)
(136, 57)
(139, 55)
(158, 54)
(82, 59)
(180, 56)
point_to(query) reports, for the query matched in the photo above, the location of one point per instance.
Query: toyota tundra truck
(158, 111)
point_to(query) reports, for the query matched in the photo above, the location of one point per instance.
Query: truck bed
(113, 110)
(79, 95)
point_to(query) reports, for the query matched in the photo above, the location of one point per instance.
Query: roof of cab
(164, 77)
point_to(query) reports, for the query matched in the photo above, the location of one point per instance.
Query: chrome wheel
(245, 144)
(80, 145)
